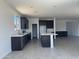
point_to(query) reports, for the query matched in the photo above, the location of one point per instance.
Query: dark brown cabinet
(61, 33)
(18, 43)
(42, 22)
(24, 23)
(45, 40)
(48, 23)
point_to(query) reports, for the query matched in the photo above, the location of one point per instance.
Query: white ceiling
(47, 8)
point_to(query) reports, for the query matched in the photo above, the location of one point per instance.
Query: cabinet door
(45, 40)
(16, 43)
(27, 23)
(49, 24)
(24, 42)
(42, 22)
(24, 23)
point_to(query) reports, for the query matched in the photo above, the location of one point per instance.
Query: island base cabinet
(45, 40)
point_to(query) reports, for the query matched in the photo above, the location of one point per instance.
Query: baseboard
(5, 54)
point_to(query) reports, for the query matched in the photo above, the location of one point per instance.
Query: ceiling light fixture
(25, 10)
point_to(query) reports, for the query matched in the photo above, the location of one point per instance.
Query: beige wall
(6, 28)
(60, 25)
(73, 28)
(33, 20)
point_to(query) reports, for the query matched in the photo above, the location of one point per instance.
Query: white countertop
(19, 35)
(48, 34)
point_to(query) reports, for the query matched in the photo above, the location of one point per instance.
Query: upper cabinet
(24, 23)
(21, 22)
(42, 22)
(48, 23)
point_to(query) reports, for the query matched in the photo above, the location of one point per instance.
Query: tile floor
(65, 48)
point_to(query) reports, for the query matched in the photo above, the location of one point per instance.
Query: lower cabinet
(45, 40)
(61, 33)
(18, 43)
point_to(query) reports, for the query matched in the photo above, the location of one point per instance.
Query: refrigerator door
(42, 29)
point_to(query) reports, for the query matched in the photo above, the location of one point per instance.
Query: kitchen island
(47, 39)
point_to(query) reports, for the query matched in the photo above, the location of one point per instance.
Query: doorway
(34, 31)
